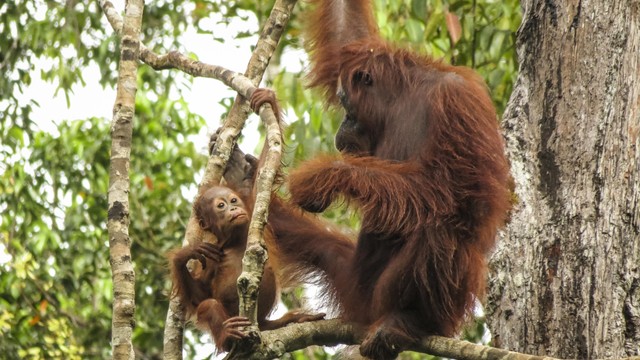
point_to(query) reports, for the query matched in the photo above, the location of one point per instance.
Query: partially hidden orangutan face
(221, 211)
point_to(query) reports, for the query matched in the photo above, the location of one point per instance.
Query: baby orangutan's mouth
(236, 216)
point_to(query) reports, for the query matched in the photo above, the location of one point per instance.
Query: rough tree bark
(566, 277)
(118, 197)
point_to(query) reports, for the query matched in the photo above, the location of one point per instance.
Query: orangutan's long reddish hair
(424, 162)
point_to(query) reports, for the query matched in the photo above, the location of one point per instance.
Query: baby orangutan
(211, 294)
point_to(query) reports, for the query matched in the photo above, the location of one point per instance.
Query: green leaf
(414, 30)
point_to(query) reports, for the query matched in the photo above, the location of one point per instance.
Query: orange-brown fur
(210, 294)
(424, 162)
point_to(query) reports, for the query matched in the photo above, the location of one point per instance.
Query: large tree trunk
(566, 278)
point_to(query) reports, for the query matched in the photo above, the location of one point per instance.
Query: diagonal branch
(179, 61)
(293, 337)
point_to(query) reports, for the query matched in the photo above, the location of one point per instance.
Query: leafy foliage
(55, 281)
(53, 227)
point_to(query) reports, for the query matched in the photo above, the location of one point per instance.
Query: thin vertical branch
(119, 185)
(256, 254)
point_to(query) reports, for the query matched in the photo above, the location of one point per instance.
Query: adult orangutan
(423, 161)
